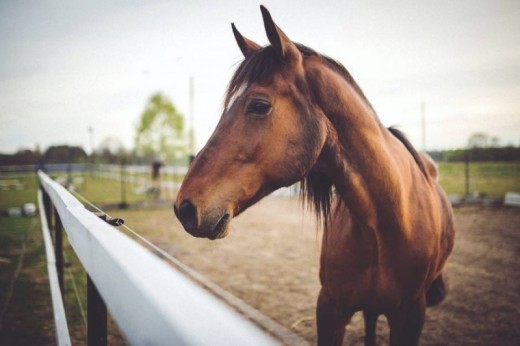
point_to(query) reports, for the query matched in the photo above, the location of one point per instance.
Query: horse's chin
(221, 229)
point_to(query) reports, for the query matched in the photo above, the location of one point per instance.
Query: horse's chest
(348, 266)
(361, 272)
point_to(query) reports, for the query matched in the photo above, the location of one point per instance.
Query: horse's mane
(402, 137)
(316, 188)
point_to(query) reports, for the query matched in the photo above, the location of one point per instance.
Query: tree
(478, 140)
(160, 132)
(64, 154)
(21, 157)
(111, 150)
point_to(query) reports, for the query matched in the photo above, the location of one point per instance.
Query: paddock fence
(133, 179)
(150, 301)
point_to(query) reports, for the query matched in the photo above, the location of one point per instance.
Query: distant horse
(291, 114)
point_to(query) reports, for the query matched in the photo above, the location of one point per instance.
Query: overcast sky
(66, 66)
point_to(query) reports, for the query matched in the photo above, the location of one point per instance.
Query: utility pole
(123, 204)
(466, 173)
(191, 120)
(423, 127)
(91, 168)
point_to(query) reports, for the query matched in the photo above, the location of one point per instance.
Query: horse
(293, 115)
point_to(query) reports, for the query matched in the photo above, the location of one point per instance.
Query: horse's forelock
(259, 65)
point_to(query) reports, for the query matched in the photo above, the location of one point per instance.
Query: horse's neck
(357, 154)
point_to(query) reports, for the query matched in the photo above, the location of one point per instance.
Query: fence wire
(274, 328)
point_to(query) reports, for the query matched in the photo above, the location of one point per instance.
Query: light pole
(192, 118)
(91, 166)
(423, 127)
(191, 115)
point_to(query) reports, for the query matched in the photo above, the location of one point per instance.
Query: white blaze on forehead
(236, 94)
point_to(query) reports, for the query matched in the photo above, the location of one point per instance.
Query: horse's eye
(258, 108)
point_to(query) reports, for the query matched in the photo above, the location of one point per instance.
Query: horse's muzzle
(211, 225)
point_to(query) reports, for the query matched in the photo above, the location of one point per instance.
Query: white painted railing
(151, 302)
(62, 330)
(512, 199)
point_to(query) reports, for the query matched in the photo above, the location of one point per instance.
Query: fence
(151, 303)
(134, 174)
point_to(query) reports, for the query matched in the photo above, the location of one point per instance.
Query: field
(270, 260)
(489, 178)
(25, 305)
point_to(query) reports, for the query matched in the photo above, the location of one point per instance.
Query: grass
(108, 191)
(21, 244)
(490, 178)
(12, 197)
(104, 191)
(25, 305)
(96, 189)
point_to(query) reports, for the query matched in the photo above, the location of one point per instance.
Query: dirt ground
(270, 260)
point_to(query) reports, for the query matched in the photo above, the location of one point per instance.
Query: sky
(69, 66)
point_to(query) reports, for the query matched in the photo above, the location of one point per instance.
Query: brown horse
(292, 115)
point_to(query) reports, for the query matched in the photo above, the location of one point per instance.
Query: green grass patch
(24, 290)
(16, 190)
(102, 191)
(490, 178)
(28, 319)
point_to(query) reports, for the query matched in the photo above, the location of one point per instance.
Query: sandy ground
(270, 260)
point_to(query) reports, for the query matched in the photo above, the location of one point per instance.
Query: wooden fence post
(47, 206)
(96, 316)
(58, 248)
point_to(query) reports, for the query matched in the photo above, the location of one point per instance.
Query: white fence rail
(151, 302)
(512, 199)
(62, 330)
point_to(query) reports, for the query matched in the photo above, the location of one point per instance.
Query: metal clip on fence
(113, 221)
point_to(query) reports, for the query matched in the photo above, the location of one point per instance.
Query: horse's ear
(246, 45)
(285, 48)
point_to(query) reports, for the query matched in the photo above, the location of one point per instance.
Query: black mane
(402, 137)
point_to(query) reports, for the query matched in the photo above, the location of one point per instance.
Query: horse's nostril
(187, 214)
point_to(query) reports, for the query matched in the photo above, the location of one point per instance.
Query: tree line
(75, 154)
(498, 154)
(54, 154)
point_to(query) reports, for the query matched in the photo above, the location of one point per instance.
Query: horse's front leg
(406, 323)
(332, 319)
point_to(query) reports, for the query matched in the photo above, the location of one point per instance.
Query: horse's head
(269, 136)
